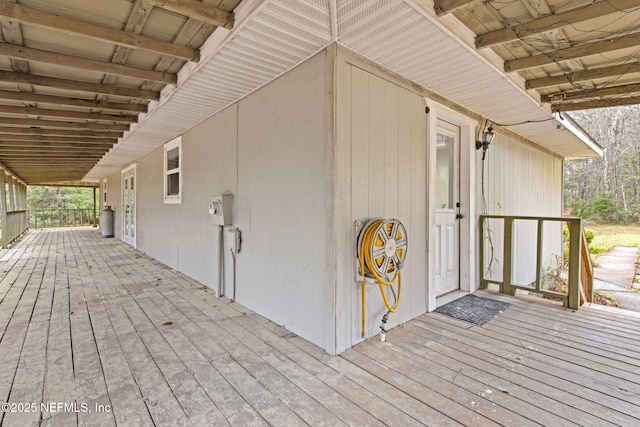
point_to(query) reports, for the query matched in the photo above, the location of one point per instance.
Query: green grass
(608, 236)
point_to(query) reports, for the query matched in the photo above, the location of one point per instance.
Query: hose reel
(382, 249)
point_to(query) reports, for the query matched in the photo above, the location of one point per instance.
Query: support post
(95, 224)
(508, 255)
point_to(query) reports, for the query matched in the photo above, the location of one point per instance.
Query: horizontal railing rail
(58, 217)
(576, 258)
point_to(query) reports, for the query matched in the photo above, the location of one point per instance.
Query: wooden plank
(50, 138)
(577, 354)
(197, 10)
(59, 381)
(565, 332)
(467, 410)
(27, 15)
(560, 55)
(33, 318)
(601, 397)
(159, 400)
(74, 85)
(602, 103)
(79, 126)
(69, 133)
(553, 22)
(626, 328)
(324, 383)
(498, 379)
(351, 414)
(370, 388)
(291, 407)
(583, 75)
(77, 102)
(128, 404)
(442, 7)
(270, 409)
(64, 60)
(45, 112)
(508, 409)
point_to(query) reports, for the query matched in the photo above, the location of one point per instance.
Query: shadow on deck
(94, 332)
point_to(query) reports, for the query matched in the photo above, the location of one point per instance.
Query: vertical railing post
(575, 242)
(539, 255)
(483, 283)
(508, 255)
(3, 211)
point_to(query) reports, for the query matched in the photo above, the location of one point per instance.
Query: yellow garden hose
(382, 256)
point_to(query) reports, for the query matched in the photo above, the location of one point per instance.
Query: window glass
(172, 171)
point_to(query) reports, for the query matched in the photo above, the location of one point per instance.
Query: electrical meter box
(220, 209)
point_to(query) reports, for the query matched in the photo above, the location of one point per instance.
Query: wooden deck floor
(94, 333)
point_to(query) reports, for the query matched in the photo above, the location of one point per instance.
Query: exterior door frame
(468, 187)
(447, 210)
(126, 173)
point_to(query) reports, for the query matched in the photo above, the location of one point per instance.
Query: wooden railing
(580, 272)
(14, 223)
(54, 217)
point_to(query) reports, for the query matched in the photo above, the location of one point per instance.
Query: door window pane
(444, 171)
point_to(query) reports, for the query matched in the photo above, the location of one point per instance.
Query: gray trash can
(106, 222)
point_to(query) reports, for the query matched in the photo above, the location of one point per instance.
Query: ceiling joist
(50, 138)
(45, 144)
(43, 123)
(45, 112)
(28, 97)
(585, 75)
(590, 94)
(73, 85)
(554, 22)
(574, 52)
(58, 132)
(64, 60)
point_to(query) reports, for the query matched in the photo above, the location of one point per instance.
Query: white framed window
(173, 171)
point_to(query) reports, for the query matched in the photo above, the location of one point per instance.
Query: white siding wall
(522, 180)
(381, 155)
(302, 171)
(273, 152)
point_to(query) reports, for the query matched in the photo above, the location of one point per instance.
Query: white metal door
(447, 232)
(129, 206)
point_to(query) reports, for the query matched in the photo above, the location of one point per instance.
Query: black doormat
(474, 309)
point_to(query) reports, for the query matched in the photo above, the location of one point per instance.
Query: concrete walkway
(615, 274)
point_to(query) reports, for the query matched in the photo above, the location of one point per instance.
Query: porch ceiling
(75, 74)
(79, 79)
(576, 55)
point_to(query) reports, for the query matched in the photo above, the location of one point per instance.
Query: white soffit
(279, 35)
(273, 36)
(414, 43)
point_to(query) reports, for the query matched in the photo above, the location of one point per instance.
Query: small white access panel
(220, 209)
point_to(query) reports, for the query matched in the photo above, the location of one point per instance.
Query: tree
(613, 180)
(40, 197)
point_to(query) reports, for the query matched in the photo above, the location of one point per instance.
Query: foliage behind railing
(577, 265)
(55, 217)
